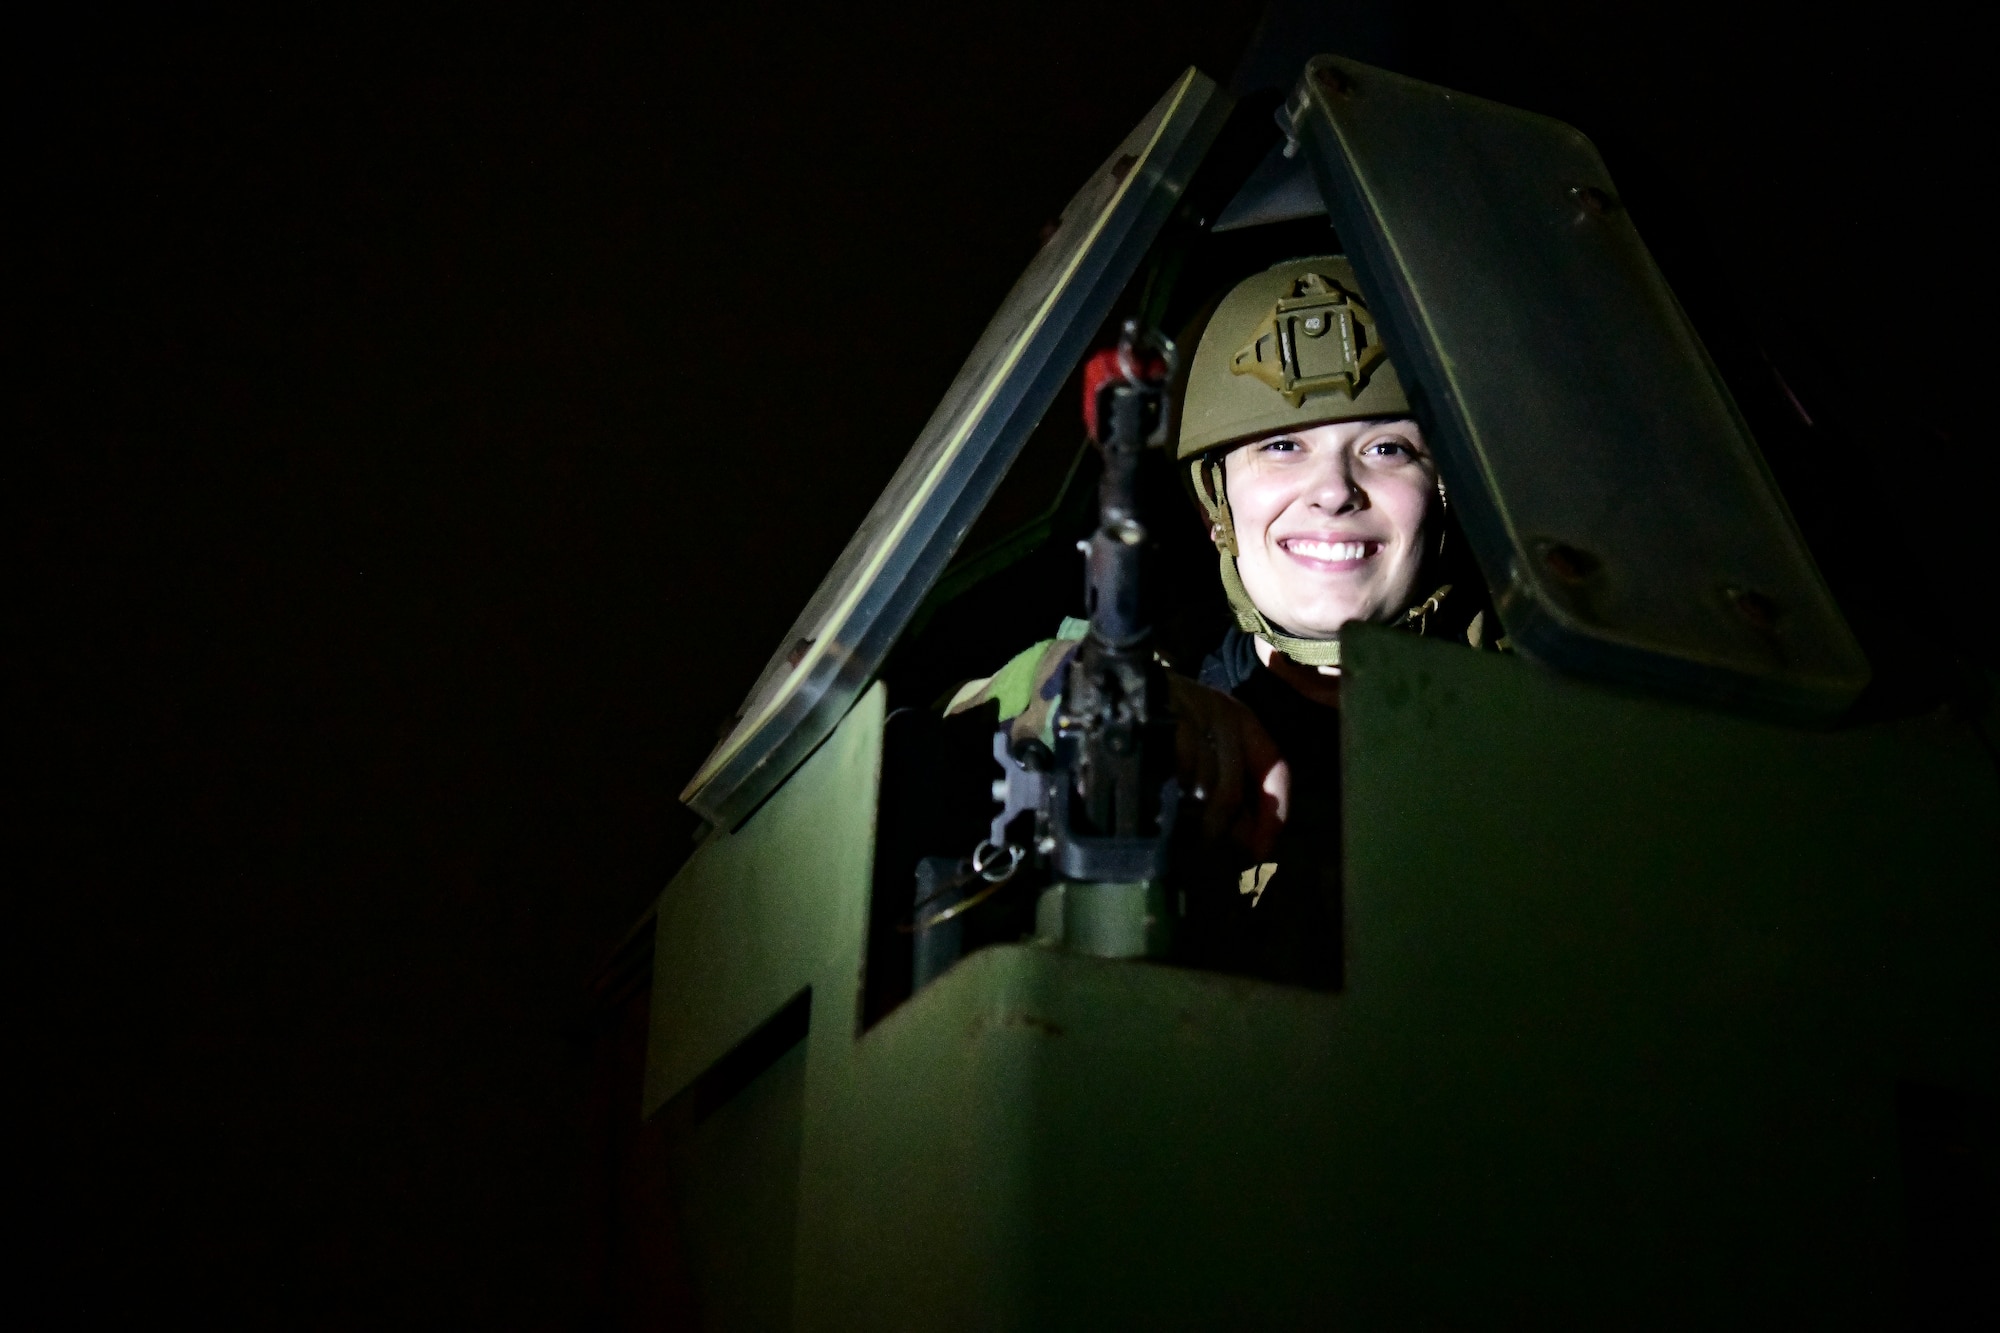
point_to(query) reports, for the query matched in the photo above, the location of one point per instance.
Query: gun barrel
(1116, 574)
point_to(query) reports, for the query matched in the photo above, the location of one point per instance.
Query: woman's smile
(1330, 555)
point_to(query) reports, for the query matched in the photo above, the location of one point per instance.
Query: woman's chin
(1312, 609)
(1317, 624)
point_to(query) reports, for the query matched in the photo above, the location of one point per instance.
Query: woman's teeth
(1328, 551)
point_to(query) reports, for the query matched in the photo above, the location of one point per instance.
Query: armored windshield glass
(840, 640)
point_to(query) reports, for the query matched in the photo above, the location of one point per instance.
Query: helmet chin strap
(1208, 488)
(1306, 652)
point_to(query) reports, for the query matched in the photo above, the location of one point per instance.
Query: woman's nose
(1335, 488)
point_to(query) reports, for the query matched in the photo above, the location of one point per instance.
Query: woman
(1325, 508)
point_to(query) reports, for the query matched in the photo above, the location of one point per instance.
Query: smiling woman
(1333, 523)
(1322, 496)
(1325, 508)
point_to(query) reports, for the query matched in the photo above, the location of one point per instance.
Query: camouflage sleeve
(1028, 686)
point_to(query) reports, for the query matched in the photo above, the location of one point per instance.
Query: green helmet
(1289, 348)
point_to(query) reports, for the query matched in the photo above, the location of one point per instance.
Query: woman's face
(1332, 523)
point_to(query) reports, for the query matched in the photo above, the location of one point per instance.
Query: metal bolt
(1592, 200)
(1570, 564)
(1760, 611)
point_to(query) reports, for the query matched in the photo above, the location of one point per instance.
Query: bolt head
(1597, 203)
(1569, 563)
(1759, 611)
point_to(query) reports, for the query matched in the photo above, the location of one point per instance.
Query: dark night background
(427, 425)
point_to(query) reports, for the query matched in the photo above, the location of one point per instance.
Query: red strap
(1104, 370)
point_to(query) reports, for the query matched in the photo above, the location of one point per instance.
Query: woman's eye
(1280, 446)
(1390, 448)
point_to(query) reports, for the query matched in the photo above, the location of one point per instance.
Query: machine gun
(1105, 799)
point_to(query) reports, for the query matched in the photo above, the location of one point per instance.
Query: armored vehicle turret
(1660, 988)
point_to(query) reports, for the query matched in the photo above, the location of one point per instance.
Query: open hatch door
(1613, 495)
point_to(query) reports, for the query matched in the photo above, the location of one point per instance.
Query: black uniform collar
(1233, 662)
